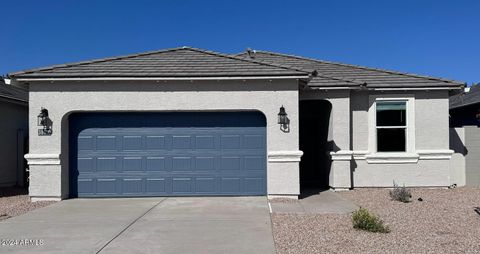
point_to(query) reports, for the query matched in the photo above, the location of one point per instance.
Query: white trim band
(393, 158)
(342, 155)
(435, 154)
(360, 154)
(402, 157)
(43, 159)
(284, 156)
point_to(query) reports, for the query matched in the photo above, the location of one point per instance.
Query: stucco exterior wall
(427, 164)
(355, 162)
(15, 115)
(472, 156)
(431, 118)
(50, 180)
(457, 163)
(465, 143)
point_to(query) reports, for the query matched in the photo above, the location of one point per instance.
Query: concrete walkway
(145, 225)
(318, 203)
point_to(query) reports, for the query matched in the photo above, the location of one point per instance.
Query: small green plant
(364, 220)
(401, 194)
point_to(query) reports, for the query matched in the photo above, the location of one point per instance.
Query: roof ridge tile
(129, 56)
(250, 60)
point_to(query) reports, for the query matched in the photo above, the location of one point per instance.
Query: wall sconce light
(283, 120)
(477, 116)
(44, 121)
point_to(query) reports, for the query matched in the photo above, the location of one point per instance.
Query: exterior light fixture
(44, 121)
(283, 120)
(477, 115)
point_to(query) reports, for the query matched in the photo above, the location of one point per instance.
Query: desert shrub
(364, 220)
(400, 193)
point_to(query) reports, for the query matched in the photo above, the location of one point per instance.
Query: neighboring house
(190, 122)
(465, 136)
(13, 134)
(465, 108)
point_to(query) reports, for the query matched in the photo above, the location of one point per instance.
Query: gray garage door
(168, 154)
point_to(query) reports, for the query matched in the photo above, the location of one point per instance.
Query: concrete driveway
(144, 225)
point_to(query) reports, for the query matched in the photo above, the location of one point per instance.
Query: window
(391, 126)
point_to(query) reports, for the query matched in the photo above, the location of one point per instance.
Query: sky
(431, 37)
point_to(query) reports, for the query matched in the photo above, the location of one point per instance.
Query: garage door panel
(205, 185)
(87, 164)
(155, 142)
(189, 160)
(204, 163)
(253, 142)
(182, 185)
(181, 163)
(106, 164)
(106, 186)
(155, 186)
(132, 143)
(230, 141)
(181, 142)
(230, 163)
(132, 185)
(132, 164)
(254, 162)
(86, 186)
(205, 142)
(253, 185)
(86, 143)
(105, 143)
(230, 184)
(155, 163)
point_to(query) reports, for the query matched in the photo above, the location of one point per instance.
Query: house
(13, 134)
(465, 107)
(191, 122)
(464, 136)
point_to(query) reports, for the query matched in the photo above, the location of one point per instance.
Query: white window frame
(410, 122)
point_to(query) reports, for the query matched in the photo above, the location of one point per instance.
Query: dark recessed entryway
(315, 163)
(167, 154)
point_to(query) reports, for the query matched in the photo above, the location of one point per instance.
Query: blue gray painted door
(167, 154)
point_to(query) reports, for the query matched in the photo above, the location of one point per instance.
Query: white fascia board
(334, 87)
(162, 78)
(414, 88)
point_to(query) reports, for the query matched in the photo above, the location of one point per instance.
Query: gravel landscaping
(444, 222)
(15, 201)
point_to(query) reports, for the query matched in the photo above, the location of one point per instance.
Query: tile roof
(12, 92)
(187, 62)
(331, 74)
(175, 62)
(466, 98)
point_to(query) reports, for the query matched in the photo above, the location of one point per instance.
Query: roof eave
(463, 105)
(428, 88)
(13, 98)
(133, 78)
